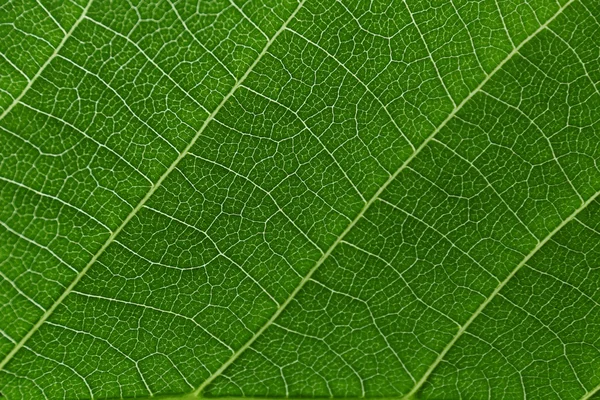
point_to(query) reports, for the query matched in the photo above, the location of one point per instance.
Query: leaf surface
(323, 198)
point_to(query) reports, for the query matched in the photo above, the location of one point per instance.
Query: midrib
(329, 251)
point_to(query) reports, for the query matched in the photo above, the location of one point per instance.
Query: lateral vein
(368, 205)
(149, 194)
(497, 290)
(48, 61)
(35, 327)
(539, 245)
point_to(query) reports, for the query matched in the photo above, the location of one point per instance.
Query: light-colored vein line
(429, 54)
(5, 335)
(33, 242)
(565, 283)
(143, 201)
(594, 17)
(51, 17)
(542, 134)
(586, 226)
(269, 195)
(544, 326)
(498, 352)
(19, 291)
(114, 91)
(221, 252)
(585, 69)
(199, 42)
(163, 265)
(375, 325)
(31, 381)
(541, 71)
(45, 64)
(591, 393)
(16, 69)
(489, 184)
(497, 290)
(323, 340)
(2, 90)
(159, 310)
(363, 84)
(109, 344)
(314, 135)
(443, 235)
(49, 196)
(460, 18)
(247, 18)
(89, 137)
(404, 281)
(361, 25)
(64, 365)
(362, 212)
(540, 244)
(150, 60)
(28, 34)
(37, 148)
(504, 24)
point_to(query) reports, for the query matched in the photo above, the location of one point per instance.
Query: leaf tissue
(300, 199)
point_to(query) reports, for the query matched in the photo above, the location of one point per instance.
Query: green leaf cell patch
(300, 199)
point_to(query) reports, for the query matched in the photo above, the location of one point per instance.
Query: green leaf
(324, 198)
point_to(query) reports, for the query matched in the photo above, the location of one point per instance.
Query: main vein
(153, 188)
(368, 204)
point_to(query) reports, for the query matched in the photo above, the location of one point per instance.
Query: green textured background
(267, 198)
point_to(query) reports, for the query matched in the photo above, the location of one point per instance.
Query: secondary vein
(149, 194)
(368, 205)
(45, 64)
(539, 245)
(17, 99)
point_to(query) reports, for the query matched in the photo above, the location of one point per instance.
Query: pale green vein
(591, 393)
(314, 135)
(153, 189)
(360, 81)
(497, 290)
(429, 54)
(539, 245)
(44, 65)
(20, 344)
(367, 205)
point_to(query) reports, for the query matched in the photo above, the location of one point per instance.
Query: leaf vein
(143, 201)
(367, 205)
